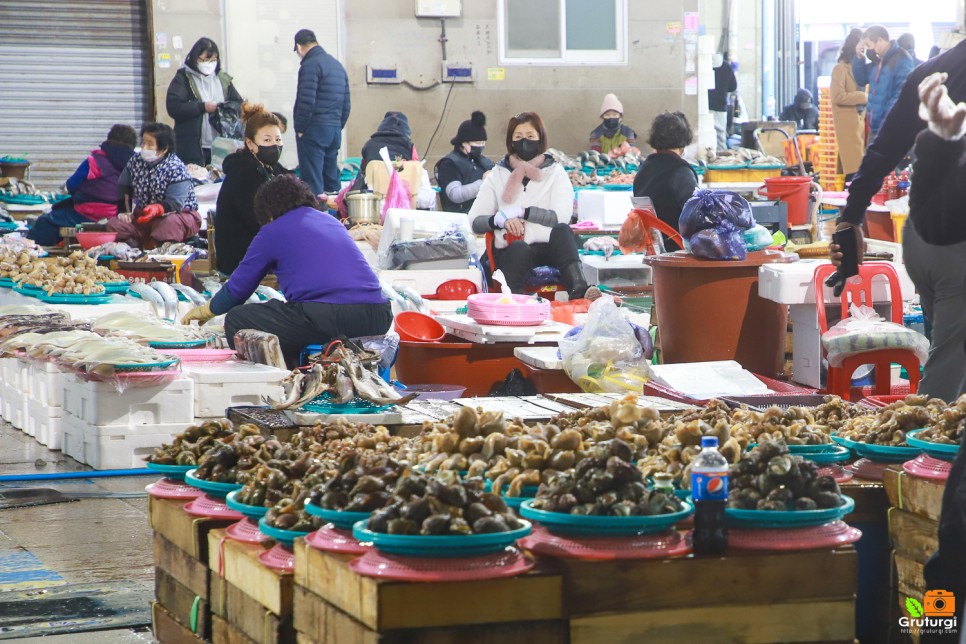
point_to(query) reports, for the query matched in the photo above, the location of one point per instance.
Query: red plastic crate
(882, 401)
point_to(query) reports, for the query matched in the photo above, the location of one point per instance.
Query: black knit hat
(472, 130)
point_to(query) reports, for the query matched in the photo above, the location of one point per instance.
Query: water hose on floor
(63, 476)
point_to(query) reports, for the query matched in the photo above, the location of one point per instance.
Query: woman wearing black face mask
(527, 201)
(612, 136)
(459, 174)
(245, 172)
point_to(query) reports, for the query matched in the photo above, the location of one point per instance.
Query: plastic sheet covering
(454, 243)
(864, 330)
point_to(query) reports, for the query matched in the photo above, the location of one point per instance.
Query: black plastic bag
(226, 120)
(514, 385)
(711, 209)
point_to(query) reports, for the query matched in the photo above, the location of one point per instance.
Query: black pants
(519, 258)
(298, 324)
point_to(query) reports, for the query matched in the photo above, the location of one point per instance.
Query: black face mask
(269, 154)
(611, 123)
(476, 151)
(526, 149)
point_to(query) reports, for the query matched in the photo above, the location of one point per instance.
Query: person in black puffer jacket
(321, 111)
(459, 174)
(194, 95)
(665, 176)
(245, 172)
(393, 133)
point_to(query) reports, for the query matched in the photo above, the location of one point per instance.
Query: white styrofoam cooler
(794, 283)
(45, 424)
(112, 447)
(220, 385)
(73, 438)
(619, 270)
(425, 282)
(99, 403)
(46, 383)
(606, 208)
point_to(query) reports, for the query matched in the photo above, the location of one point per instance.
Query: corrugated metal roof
(69, 71)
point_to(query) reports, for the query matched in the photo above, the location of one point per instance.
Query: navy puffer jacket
(323, 92)
(885, 84)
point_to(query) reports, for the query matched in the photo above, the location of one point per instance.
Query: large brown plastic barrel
(711, 310)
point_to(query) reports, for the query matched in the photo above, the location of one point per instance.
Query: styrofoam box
(10, 371)
(425, 282)
(125, 447)
(47, 384)
(18, 410)
(794, 283)
(220, 385)
(73, 438)
(607, 208)
(619, 270)
(45, 424)
(99, 403)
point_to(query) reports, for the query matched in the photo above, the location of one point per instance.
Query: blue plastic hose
(60, 476)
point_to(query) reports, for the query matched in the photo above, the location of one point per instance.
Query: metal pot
(363, 207)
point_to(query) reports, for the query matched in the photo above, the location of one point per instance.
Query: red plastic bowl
(417, 327)
(90, 240)
(454, 290)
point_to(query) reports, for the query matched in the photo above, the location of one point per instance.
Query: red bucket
(794, 191)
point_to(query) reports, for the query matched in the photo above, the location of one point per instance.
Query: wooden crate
(815, 621)
(188, 533)
(913, 494)
(317, 621)
(189, 610)
(913, 536)
(167, 630)
(387, 605)
(871, 502)
(225, 633)
(253, 599)
(186, 570)
(593, 587)
(247, 617)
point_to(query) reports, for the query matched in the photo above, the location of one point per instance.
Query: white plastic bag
(865, 330)
(605, 355)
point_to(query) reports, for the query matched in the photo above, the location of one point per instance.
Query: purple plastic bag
(719, 243)
(711, 208)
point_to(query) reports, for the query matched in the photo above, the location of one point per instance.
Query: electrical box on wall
(457, 72)
(382, 75)
(439, 8)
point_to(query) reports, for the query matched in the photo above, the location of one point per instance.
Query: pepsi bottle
(709, 489)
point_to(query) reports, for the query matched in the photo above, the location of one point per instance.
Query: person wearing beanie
(612, 136)
(459, 174)
(393, 133)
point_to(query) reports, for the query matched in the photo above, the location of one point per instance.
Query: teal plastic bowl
(339, 518)
(284, 537)
(787, 518)
(210, 487)
(562, 523)
(886, 453)
(936, 450)
(822, 454)
(176, 472)
(250, 511)
(437, 547)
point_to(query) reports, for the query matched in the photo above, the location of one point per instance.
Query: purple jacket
(94, 185)
(314, 259)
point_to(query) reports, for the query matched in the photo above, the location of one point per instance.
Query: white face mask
(149, 156)
(208, 68)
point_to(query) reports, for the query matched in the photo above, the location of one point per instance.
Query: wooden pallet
(189, 610)
(254, 599)
(167, 630)
(384, 606)
(188, 533)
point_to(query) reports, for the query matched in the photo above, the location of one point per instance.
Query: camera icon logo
(939, 603)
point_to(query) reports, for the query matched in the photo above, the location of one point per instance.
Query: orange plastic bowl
(90, 240)
(417, 327)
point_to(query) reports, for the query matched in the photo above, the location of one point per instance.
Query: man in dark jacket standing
(321, 111)
(885, 74)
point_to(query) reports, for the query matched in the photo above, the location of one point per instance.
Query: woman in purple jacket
(330, 289)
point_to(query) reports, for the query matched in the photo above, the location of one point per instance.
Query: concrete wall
(187, 21)
(385, 32)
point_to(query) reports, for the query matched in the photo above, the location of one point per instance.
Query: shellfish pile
(888, 426)
(770, 478)
(75, 274)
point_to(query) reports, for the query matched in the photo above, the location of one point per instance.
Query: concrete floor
(87, 561)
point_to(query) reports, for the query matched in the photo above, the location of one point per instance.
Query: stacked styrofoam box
(45, 402)
(220, 385)
(110, 429)
(15, 387)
